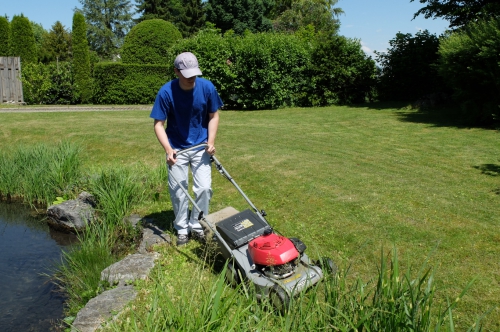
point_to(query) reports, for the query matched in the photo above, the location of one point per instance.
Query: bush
(118, 83)
(470, 64)
(408, 67)
(214, 57)
(341, 73)
(149, 42)
(270, 70)
(48, 84)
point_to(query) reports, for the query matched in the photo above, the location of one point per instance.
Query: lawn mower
(277, 266)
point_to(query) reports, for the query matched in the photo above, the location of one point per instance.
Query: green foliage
(116, 192)
(240, 15)
(341, 73)
(254, 71)
(79, 272)
(4, 36)
(57, 43)
(107, 24)
(49, 84)
(187, 15)
(214, 55)
(459, 12)
(149, 42)
(81, 59)
(269, 69)
(22, 40)
(118, 83)
(39, 173)
(408, 67)
(470, 64)
(318, 13)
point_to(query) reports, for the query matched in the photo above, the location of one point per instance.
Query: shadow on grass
(491, 170)
(441, 116)
(163, 220)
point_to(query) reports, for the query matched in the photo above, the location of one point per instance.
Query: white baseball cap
(187, 64)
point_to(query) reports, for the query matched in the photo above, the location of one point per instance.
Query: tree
(194, 17)
(187, 15)
(81, 58)
(108, 22)
(240, 15)
(319, 13)
(408, 67)
(22, 39)
(57, 43)
(4, 36)
(470, 64)
(459, 12)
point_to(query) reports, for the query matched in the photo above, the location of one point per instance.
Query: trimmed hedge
(149, 42)
(119, 83)
(254, 71)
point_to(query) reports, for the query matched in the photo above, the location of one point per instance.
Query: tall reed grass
(79, 272)
(38, 174)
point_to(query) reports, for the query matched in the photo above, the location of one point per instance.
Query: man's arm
(213, 125)
(161, 135)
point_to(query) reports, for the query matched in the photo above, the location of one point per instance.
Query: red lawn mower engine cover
(272, 250)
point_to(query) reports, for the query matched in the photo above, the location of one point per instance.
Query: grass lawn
(348, 181)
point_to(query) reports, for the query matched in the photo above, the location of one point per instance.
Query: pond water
(29, 301)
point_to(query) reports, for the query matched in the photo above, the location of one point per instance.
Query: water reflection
(29, 248)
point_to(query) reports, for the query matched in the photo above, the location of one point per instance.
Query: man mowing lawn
(189, 106)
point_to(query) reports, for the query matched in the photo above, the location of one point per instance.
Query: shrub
(408, 71)
(341, 73)
(470, 64)
(118, 83)
(270, 70)
(149, 42)
(214, 55)
(48, 84)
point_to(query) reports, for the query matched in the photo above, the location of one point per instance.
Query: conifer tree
(22, 39)
(4, 36)
(81, 58)
(240, 15)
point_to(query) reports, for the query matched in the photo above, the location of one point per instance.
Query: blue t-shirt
(186, 112)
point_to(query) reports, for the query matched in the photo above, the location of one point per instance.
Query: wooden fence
(11, 87)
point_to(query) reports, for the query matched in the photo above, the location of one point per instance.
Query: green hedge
(254, 71)
(118, 83)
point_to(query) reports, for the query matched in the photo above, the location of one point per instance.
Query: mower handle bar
(225, 174)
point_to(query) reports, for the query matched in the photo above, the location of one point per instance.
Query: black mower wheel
(327, 265)
(279, 299)
(232, 275)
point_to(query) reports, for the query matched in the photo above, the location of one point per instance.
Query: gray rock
(132, 267)
(99, 309)
(152, 235)
(87, 198)
(72, 215)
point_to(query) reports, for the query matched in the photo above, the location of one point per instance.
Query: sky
(373, 22)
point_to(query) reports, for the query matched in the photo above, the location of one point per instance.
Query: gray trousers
(199, 162)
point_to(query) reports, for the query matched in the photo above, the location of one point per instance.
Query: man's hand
(171, 158)
(210, 149)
